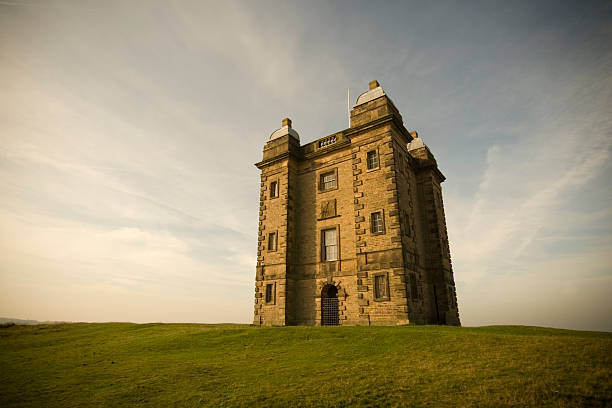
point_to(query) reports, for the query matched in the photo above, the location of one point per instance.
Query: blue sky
(128, 133)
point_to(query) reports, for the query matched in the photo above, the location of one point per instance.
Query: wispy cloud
(528, 192)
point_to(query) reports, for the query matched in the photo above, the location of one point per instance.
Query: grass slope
(187, 365)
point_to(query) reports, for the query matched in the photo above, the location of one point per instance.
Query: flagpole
(348, 105)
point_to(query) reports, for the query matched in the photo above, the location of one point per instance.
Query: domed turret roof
(416, 143)
(375, 92)
(286, 129)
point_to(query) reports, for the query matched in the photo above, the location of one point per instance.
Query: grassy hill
(188, 365)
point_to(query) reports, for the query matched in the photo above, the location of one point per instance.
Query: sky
(129, 130)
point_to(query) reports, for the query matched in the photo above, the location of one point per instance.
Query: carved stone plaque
(328, 208)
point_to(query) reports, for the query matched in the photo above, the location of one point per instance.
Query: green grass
(184, 365)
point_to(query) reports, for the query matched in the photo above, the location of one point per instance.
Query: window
(372, 160)
(327, 181)
(270, 293)
(406, 223)
(381, 291)
(413, 287)
(376, 223)
(272, 241)
(274, 189)
(329, 244)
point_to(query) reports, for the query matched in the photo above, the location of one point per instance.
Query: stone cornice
(347, 133)
(432, 167)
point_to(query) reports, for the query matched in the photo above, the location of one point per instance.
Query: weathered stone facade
(351, 226)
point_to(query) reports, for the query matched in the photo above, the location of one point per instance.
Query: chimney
(374, 84)
(287, 122)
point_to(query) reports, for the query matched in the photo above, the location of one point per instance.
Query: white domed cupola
(286, 129)
(374, 92)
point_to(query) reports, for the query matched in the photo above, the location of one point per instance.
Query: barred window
(380, 287)
(372, 160)
(270, 293)
(329, 239)
(272, 241)
(376, 222)
(274, 189)
(327, 181)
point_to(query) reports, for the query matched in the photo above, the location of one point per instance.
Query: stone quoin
(352, 228)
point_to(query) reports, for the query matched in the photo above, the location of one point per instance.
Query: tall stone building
(351, 226)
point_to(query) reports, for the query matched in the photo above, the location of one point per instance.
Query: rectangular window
(274, 189)
(380, 287)
(413, 287)
(272, 241)
(372, 160)
(329, 240)
(406, 224)
(376, 223)
(270, 293)
(327, 181)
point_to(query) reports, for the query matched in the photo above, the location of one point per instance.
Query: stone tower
(351, 226)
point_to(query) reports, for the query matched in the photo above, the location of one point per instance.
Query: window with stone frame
(381, 287)
(272, 241)
(329, 244)
(328, 180)
(413, 286)
(372, 159)
(274, 189)
(400, 161)
(270, 293)
(407, 228)
(377, 225)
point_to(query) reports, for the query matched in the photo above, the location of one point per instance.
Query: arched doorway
(329, 306)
